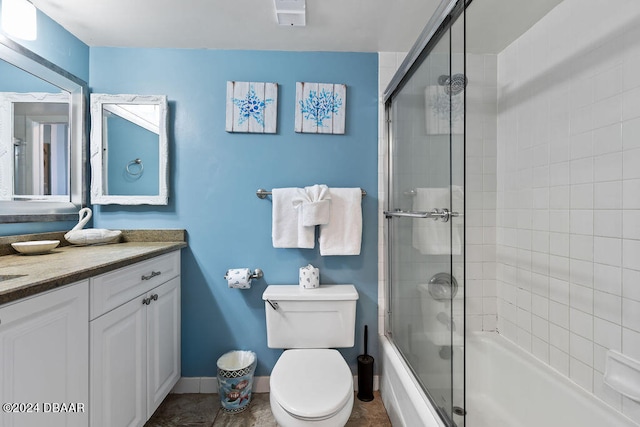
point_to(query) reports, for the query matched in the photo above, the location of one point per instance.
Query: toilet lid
(311, 383)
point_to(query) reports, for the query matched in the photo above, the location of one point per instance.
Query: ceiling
(331, 25)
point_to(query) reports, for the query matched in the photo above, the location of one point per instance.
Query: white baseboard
(260, 384)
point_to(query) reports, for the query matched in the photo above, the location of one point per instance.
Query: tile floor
(195, 410)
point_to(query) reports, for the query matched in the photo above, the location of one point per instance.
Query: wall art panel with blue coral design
(252, 107)
(320, 107)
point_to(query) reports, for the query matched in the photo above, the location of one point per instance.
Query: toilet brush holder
(365, 373)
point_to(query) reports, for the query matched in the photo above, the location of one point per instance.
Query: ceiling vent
(291, 12)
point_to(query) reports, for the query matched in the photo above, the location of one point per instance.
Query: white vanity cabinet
(44, 361)
(134, 340)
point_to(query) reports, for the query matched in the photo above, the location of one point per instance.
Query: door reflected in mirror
(128, 149)
(40, 149)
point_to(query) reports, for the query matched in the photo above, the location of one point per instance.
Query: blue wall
(214, 176)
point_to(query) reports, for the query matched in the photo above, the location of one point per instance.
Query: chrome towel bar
(262, 193)
(442, 214)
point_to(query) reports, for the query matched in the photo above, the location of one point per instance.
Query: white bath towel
(315, 205)
(343, 234)
(287, 230)
(433, 237)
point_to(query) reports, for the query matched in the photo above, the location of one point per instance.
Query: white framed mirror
(129, 149)
(42, 138)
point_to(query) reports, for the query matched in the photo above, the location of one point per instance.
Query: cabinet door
(44, 358)
(163, 345)
(118, 366)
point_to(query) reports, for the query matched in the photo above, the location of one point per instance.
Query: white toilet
(311, 383)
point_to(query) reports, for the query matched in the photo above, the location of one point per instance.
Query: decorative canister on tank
(309, 277)
(235, 379)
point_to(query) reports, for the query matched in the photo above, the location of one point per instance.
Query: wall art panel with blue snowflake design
(320, 107)
(252, 107)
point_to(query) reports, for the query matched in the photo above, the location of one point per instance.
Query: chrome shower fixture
(454, 84)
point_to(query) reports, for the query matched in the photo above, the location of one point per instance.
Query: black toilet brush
(365, 372)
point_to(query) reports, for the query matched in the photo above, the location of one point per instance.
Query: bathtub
(403, 398)
(505, 386)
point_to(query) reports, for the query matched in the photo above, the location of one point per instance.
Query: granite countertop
(68, 264)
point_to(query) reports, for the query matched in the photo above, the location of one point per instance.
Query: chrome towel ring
(136, 171)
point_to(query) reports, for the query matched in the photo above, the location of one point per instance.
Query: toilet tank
(323, 317)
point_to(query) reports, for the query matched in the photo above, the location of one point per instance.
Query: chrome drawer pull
(152, 275)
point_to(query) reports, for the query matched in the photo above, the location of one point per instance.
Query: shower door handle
(442, 214)
(406, 214)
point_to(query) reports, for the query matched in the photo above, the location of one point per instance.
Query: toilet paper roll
(239, 278)
(309, 277)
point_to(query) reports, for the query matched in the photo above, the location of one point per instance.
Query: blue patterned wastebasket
(235, 379)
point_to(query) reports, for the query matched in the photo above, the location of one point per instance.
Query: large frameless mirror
(129, 149)
(42, 138)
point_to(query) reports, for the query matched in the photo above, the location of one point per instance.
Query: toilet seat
(311, 384)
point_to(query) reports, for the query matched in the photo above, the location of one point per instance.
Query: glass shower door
(425, 222)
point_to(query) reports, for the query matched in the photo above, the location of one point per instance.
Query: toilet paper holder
(257, 274)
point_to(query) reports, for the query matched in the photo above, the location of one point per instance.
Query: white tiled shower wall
(553, 190)
(480, 192)
(568, 190)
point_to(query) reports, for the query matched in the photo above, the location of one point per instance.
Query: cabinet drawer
(111, 290)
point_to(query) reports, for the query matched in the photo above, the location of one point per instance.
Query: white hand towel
(343, 234)
(434, 237)
(315, 206)
(287, 230)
